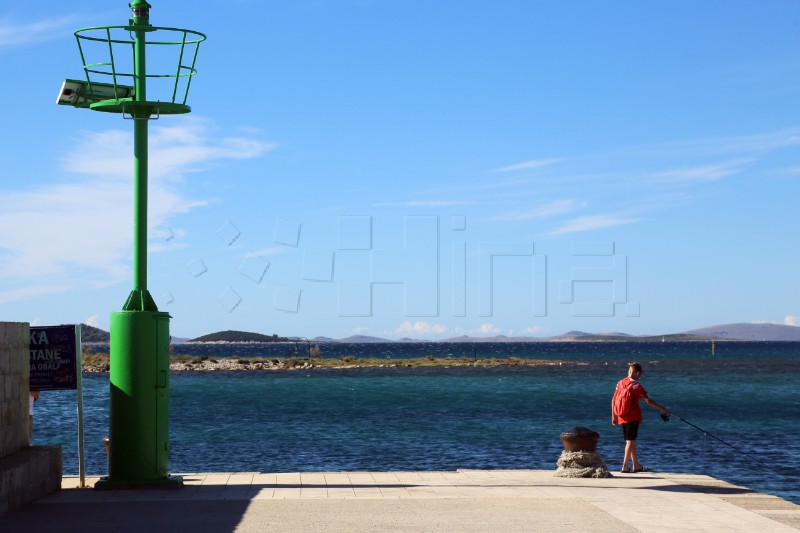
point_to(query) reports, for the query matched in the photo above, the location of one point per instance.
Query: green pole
(139, 376)
(140, 127)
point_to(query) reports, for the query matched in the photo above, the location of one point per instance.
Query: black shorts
(630, 430)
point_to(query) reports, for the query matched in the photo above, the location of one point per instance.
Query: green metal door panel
(162, 391)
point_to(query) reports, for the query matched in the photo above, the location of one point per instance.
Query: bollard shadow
(704, 489)
(669, 486)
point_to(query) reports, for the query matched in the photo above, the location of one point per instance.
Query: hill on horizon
(364, 339)
(750, 332)
(93, 334)
(238, 336)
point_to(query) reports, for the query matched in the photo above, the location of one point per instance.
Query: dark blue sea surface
(406, 418)
(588, 350)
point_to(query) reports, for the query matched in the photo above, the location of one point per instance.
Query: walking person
(625, 411)
(33, 396)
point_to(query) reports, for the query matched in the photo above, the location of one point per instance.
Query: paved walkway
(465, 500)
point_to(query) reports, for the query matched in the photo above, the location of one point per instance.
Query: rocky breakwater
(100, 362)
(96, 363)
(211, 365)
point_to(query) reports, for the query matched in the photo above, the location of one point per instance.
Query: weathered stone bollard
(580, 457)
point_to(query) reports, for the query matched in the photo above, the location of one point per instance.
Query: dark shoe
(642, 469)
(624, 471)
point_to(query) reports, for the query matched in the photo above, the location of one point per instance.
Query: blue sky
(418, 169)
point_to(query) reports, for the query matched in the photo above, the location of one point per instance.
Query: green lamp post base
(139, 401)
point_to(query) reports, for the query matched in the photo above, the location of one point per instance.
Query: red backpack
(622, 402)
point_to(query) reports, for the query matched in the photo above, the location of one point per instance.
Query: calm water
(448, 418)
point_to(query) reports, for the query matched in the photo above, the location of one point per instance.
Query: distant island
(237, 336)
(92, 335)
(732, 332)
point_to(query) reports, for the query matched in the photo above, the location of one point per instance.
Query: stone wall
(26, 473)
(14, 373)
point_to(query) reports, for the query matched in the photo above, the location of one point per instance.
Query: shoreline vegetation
(100, 362)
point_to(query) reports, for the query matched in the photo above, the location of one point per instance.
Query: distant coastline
(479, 340)
(726, 332)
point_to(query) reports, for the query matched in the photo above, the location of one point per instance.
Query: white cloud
(557, 207)
(14, 33)
(25, 293)
(526, 165)
(533, 330)
(593, 222)
(93, 321)
(488, 328)
(713, 150)
(702, 173)
(791, 172)
(791, 320)
(174, 151)
(270, 250)
(409, 328)
(423, 203)
(759, 143)
(77, 232)
(167, 234)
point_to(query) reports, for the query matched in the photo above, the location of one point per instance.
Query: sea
(738, 403)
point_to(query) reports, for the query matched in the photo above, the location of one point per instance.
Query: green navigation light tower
(139, 407)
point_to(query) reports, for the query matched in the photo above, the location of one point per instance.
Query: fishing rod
(666, 418)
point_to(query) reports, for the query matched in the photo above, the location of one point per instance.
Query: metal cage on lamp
(114, 80)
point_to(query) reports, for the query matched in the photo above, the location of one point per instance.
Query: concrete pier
(463, 500)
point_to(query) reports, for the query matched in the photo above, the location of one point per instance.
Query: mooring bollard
(580, 457)
(580, 439)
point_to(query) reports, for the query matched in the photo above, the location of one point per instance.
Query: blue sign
(54, 358)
